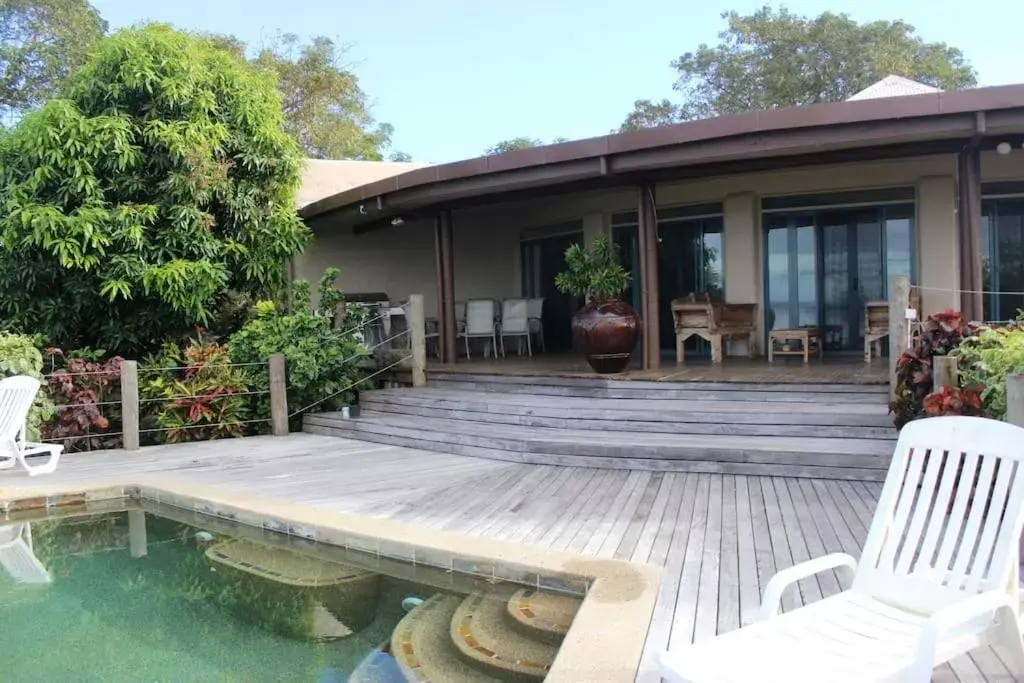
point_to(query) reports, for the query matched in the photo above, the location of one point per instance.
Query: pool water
(200, 605)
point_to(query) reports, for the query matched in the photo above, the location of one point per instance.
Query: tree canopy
(519, 143)
(163, 182)
(41, 42)
(325, 108)
(774, 58)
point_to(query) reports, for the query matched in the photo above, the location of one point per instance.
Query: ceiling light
(1003, 148)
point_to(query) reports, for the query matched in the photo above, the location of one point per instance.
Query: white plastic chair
(937, 577)
(16, 397)
(480, 324)
(17, 556)
(515, 322)
(535, 311)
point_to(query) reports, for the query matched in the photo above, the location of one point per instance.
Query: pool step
(482, 634)
(543, 616)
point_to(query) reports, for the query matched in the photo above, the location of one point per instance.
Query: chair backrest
(950, 514)
(515, 318)
(460, 310)
(16, 397)
(535, 308)
(480, 316)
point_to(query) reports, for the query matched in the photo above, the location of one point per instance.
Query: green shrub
(19, 356)
(321, 356)
(986, 358)
(199, 398)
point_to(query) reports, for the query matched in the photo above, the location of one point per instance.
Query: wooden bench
(713, 321)
(876, 323)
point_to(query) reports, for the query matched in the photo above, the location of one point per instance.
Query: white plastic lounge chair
(16, 396)
(937, 577)
(17, 557)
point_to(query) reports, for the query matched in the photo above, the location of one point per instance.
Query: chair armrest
(787, 577)
(958, 614)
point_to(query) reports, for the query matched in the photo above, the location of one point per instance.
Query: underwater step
(422, 646)
(481, 632)
(543, 616)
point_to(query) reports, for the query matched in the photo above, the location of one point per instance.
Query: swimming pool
(170, 582)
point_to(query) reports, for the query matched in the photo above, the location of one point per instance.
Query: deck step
(481, 633)
(792, 456)
(635, 389)
(423, 648)
(543, 616)
(740, 418)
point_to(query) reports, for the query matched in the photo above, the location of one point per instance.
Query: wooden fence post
(278, 395)
(130, 405)
(417, 340)
(945, 372)
(899, 302)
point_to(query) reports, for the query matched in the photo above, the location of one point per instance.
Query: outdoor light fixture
(1003, 148)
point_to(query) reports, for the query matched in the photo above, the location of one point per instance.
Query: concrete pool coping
(604, 644)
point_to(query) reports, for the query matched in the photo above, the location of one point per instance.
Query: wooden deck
(719, 537)
(831, 369)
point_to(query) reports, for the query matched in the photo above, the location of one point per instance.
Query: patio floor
(719, 537)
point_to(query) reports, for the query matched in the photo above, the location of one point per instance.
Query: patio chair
(535, 311)
(460, 316)
(480, 324)
(18, 558)
(16, 397)
(515, 322)
(937, 577)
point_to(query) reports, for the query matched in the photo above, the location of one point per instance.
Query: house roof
(883, 127)
(892, 86)
(327, 177)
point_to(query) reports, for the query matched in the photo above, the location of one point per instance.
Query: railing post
(278, 395)
(945, 372)
(899, 302)
(418, 340)
(130, 405)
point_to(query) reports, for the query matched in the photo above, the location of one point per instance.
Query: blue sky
(456, 76)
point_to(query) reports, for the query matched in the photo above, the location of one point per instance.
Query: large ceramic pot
(606, 333)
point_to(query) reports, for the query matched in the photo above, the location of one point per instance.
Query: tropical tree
(41, 42)
(164, 182)
(519, 143)
(774, 58)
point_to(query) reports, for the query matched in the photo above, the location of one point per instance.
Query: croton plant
(940, 334)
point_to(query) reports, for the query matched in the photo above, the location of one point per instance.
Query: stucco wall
(400, 260)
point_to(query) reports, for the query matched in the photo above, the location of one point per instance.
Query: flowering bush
(87, 391)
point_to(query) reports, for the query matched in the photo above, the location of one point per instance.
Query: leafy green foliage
(986, 358)
(19, 356)
(594, 274)
(129, 210)
(516, 144)
(41, 42)
(202, 398)
(321, 356)
(325, 109)
(941, 333)
(775, 58)
(87, 390)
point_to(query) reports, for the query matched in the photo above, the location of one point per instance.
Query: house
(806, 211)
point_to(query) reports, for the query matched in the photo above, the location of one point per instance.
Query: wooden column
(130, 405)
(945, 372)
(278, 395)
(899, 302)
(444, 265)
(969, 231)
(647, 245)
(417, 340)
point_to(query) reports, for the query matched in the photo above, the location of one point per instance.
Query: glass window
(1002, 249)
(899, 243)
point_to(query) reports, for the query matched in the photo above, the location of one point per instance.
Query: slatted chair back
(16, 397)
(480, 317)
(949, 517)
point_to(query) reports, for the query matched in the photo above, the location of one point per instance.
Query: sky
(456, 76)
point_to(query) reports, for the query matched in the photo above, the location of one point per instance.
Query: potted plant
(606, 329)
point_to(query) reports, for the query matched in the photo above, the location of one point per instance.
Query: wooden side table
(807, 336)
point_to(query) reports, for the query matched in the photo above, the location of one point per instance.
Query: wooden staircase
(815, 430)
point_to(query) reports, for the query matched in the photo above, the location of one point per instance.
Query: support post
(899, 302)
(945, 372)
(130, 405)
(969, 231)
(138, 546)
(1015, 399)
(278, 395)
(647, 242)
(417, 340)
(444, 264)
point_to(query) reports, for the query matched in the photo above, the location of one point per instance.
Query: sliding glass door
(822, 267)
(543, 259)
(1002, 250)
